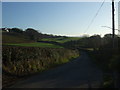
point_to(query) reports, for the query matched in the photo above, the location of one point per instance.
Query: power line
(94, 16)
(110, 28)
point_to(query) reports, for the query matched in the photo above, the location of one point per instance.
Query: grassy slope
(61, 39)
(18, 38)
(14, 38)
(35, 45)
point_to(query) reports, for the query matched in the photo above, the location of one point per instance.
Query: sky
(59, 18)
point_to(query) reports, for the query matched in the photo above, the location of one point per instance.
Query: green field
(35, 45)
(61, 39)
(17, 39)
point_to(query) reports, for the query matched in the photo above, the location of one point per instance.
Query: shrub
(27, 60)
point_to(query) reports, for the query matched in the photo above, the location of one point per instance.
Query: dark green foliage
(102, 58)
(85, 42)
(115, 63)
(33, 34)
(27, 60)
(108, 81)
(108, 59)
(16, 30)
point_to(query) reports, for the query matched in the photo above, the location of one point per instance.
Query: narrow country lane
(79, 73)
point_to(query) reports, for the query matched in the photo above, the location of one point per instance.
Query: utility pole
(115, 73)
(113, 41)
(119, 18)
(113, 24)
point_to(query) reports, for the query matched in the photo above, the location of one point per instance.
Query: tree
(33, 34)
(95, 41)
(107, 40)
(16, 30)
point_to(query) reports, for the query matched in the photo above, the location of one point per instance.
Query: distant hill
(16, 35)
(61, 39)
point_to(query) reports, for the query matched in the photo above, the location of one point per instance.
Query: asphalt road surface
(79, 73)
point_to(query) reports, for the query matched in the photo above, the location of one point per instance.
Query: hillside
(8, 37)
(32, 38)
(61, 39)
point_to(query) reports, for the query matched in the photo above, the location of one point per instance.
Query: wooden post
(113, 23)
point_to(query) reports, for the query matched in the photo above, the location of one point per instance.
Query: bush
(27, 60)
(115, 63)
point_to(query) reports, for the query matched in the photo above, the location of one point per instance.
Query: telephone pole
(119, 18)
(113, 24)
(115, 73)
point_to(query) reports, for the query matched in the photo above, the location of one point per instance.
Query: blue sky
(60, 18)
(0, 14)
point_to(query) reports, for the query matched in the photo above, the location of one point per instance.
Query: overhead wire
(95, 16)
